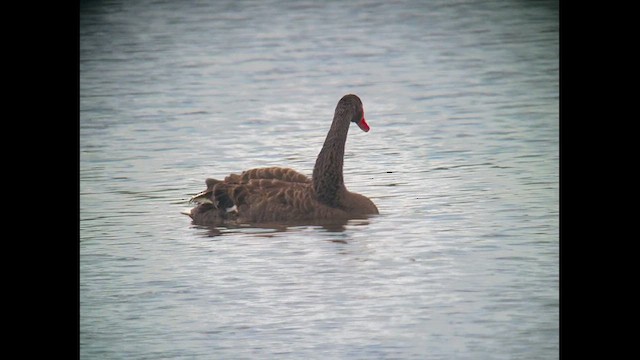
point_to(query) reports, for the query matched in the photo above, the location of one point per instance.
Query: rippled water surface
(462, 161)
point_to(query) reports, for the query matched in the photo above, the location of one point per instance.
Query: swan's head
(354, 102)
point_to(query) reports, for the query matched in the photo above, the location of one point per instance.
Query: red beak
(362, 124)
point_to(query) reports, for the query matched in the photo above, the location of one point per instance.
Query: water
(462, 161)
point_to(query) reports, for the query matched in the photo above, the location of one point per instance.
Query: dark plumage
(278, 195)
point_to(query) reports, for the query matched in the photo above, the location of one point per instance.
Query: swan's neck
(328, 182)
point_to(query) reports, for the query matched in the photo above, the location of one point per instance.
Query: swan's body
(278, 195)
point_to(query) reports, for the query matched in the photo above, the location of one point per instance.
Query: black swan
(276, 195)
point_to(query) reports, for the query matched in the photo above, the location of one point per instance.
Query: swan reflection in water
(270, 229)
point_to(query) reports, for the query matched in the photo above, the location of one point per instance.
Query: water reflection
(268, 229)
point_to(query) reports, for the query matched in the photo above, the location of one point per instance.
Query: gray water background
(462, 160)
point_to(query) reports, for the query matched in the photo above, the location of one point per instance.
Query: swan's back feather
(278, 173)
(258, 195)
